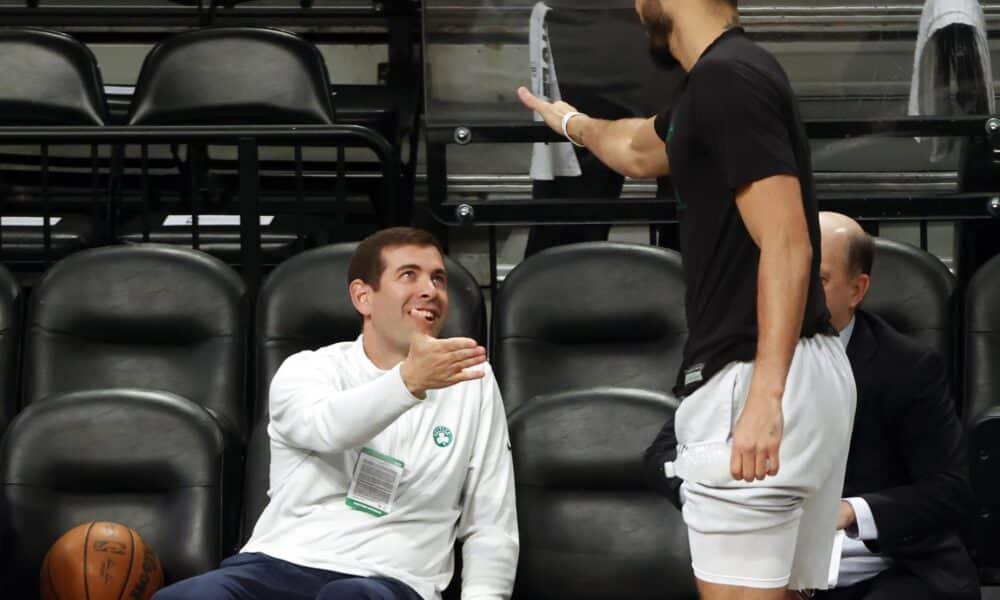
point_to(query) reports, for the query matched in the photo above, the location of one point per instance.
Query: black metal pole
(249, 175)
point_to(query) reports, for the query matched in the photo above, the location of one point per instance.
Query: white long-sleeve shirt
(325, 406)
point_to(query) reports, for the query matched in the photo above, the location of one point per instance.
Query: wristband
(565, 122)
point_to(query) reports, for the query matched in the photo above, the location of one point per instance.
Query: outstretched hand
(551, 112)
(434, 364)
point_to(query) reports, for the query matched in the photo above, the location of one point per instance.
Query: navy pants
(255, 576)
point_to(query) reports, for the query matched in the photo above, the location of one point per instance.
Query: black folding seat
(153, 461)
(48, 78)
(982, 409)
(385, 108)
(914, 292)
(149, 317)
(10, 345)
(235, 75)
(587, 339)
(227, 76)
(982, 343)
(589, 526)
(304, 305)
(589, 315)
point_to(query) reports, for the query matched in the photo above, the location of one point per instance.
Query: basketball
(100, 561)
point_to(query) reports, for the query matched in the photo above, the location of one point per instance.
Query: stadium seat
(587, 339)
(590, 528)
(150, 460)
(227, 76)
(304, 305)
(219, 76)
(982, 409)
(913, 291)
(256, 480)
(149, 317)
(982, 342)
(10, 345)
(589, 315)
(57, 80)
(47, 78)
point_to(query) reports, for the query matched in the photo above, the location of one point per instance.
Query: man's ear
(862, 283)
(361, 296)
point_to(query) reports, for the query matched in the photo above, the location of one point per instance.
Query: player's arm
(629, 146)
(773, 213)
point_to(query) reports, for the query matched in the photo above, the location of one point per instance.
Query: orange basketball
(100, 561)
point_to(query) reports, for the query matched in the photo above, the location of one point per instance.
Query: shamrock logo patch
(442, 436)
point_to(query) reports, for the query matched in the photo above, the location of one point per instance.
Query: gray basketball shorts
(780, 531)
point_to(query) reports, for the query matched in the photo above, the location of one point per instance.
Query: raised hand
(551, 112)
(434, 364)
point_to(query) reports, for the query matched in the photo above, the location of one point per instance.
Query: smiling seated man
(384, 451)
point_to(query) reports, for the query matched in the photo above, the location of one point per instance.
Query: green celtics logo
(442, 436)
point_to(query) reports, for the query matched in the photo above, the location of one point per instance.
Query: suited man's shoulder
(896, 347)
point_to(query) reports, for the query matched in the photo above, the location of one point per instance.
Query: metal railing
(247, 166)
(887, 200)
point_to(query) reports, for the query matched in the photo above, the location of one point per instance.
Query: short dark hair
(367, 263)
(860, 254)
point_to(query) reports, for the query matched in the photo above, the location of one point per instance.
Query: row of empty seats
(137, 403)
(211, 76)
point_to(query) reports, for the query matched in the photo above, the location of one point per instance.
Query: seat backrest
(256, 478)
(589, 315)
(48, 78)
(10, 344)
(981, 407)
(152, 461)
(981, 385)
(304, 305)
(589, 526)
(149, 317)
(232, 75)
(913, 291)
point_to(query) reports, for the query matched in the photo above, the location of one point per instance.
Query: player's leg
(367, 588)
(249, 576)
(746, 538)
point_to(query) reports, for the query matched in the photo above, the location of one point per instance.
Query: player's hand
(434, 364)
(757, 438)
(551, 112)
(846, 518)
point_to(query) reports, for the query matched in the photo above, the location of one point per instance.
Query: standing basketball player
(768, 396)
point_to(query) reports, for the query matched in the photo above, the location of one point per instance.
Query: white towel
(835, 554)
(557, 159)
(930, 86)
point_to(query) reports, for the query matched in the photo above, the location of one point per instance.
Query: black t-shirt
(736, 121)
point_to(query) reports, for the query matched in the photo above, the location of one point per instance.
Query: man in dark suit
(906, 491)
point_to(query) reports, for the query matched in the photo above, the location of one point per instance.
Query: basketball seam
(131, 559)
(86, 546)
